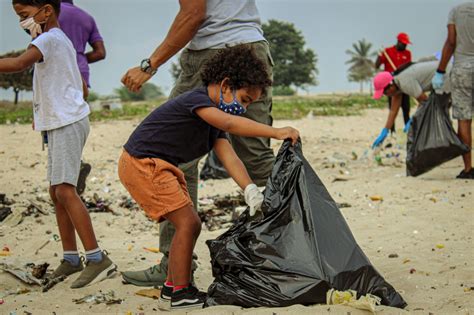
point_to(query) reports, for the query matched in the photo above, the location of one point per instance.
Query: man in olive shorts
(460, 43)
(206, 26)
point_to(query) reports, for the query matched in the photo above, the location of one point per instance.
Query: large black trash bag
(431, 138)
(300, 249)
(213, 168)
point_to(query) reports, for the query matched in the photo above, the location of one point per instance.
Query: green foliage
(283, 108)
(330, 105)
(21, 81)
(93, 96)
(149, 91)
(283, 91)
(362, 67)
(294, 65)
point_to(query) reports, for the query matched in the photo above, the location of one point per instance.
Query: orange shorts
(156, 185)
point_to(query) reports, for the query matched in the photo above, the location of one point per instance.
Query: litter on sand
(367, 302)
(33, 274)
(150, 293)
(108, 298)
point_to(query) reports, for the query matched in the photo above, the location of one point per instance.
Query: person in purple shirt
(81, 29)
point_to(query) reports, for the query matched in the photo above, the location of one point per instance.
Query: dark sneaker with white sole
(95, 272)
(165, 298)
(187, 298)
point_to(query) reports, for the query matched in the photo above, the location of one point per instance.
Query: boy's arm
(395, 105)
(243, 126)
(22, 62)
(232, 163)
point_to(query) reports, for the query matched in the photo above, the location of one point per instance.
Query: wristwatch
(146, 67)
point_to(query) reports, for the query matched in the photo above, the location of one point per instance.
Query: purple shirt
(81, 29)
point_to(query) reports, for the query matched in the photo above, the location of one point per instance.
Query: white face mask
(31, 26)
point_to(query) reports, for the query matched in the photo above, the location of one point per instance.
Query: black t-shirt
(173, 132)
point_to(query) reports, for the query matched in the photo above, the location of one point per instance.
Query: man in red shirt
(393, 58)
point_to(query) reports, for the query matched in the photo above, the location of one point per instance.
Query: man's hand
(288, 133)
(253, 198)
(438, 80)
(380, 139)
(135, 78)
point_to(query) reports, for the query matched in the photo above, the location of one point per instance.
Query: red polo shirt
(398, 58)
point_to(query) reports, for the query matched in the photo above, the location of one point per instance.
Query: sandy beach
(425, 224)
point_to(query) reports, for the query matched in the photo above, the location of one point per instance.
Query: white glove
(253, 198)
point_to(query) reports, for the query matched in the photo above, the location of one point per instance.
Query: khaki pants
(255, 153)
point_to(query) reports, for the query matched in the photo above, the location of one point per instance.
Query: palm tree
(362, 66)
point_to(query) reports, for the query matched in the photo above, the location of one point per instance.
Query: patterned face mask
(31, 27)
(233, 108)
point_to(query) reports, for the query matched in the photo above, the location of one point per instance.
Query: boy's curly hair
(56, 4)
(240, 64)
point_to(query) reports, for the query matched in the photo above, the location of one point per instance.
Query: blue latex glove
(383, 134)
(438, 80)
(407, 126)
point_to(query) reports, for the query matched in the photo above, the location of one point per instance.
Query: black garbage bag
(297, 251)
(431, 138)
(213, 168)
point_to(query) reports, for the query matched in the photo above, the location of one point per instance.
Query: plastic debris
(155, 250)
(107, 298)
(33, 274)
(439, 246)
(98, 204)
(150, 293)
(15, 292)
(376, 198)
(55, 238)
(367, 302)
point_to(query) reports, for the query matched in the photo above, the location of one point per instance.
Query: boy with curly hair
(61, 112)
(183, 129)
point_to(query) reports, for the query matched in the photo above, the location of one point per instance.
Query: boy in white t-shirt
(61, 112)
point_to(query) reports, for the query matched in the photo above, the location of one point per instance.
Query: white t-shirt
(57, 83)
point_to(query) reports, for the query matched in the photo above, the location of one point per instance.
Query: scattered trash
(393, 256)
(256, 263)
(155, 250)
(5, 212)
(15, 292)
(439, 246)
(431, 138)
(218, 212)
(341, 179)
(2, 301)
(150, 293)
(412, 270)
(343, 205)
(376, 198)
(55, 238)
(128, 203)
(33, 274)
(406, 261)
(97, 204)
(107, 298)
(367, 302)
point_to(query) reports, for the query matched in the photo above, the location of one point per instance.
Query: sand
(427, 221)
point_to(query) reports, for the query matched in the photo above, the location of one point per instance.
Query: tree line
(295, 66)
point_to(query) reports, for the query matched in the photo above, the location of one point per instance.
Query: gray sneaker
(66, 269)
(95, 272)
(154, 276)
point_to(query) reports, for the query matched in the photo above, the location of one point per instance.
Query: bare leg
(465, 134)
(69, 199)
(188, 227)
(65, 226)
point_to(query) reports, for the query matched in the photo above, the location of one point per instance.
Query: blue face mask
(233, 108)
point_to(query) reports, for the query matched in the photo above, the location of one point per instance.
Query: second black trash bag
(431, 138)
(300, 249)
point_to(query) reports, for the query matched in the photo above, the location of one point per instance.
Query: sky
(133, 29)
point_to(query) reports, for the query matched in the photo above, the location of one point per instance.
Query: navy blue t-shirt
(173, 132)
